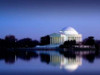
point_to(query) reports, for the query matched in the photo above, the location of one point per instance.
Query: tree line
(10, 41)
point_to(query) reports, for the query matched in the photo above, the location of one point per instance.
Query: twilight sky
(36, 18)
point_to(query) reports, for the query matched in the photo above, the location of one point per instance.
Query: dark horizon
(36, 18)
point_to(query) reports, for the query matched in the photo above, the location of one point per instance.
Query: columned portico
(56, 40)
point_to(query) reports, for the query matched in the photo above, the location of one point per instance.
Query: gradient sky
(36, 18)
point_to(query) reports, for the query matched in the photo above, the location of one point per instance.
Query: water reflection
(68, 60)
(71, 64)
(12, 56)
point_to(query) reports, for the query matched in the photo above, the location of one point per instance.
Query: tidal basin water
(50, 63)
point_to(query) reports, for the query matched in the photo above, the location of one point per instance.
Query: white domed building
(66, 34)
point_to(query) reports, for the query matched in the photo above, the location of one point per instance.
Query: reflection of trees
(11, 56)
(68, 54)
(8, 56)
(45, 58)
(90, 57)
(27, 55)
(68, 57)
(55, 59)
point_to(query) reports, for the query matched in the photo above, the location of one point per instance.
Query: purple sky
(36, 18)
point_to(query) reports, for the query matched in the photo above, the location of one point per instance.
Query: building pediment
(55, 34)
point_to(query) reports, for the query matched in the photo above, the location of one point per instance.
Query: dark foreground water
(50, 63)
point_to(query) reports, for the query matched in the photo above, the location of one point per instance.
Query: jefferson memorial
(66, 34)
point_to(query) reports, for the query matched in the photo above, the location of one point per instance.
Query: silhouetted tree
(27, 42)
(2, 43)
(68, 44)
(10, 38)
(97, 45)
(10, 41)
(89, 41)
(45, 40)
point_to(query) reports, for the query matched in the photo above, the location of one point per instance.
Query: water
(50, 62)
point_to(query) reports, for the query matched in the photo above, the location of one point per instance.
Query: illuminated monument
(64, 35)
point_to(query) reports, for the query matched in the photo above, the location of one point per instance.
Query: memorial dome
(68, 31)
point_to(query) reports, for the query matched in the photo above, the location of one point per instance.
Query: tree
(27, 42)
(2, 43)
(10, 38)
(45, 40)
(10, 41)
(89, 41)
(68, 44)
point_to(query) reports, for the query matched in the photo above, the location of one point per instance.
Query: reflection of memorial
(69, 64)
